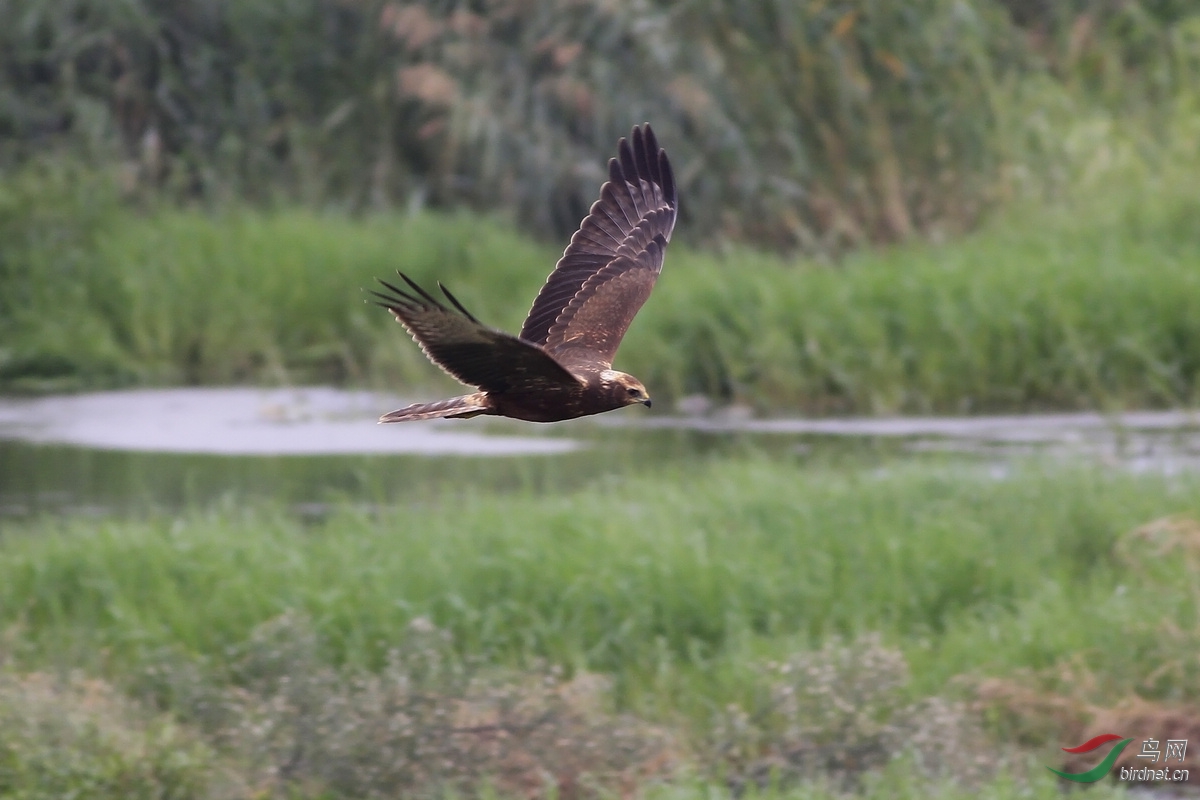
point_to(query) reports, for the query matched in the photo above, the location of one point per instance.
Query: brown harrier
(560, 367)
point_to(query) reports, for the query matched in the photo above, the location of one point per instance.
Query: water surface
(312, 447)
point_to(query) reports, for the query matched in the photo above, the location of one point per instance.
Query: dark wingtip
(457, 304)
(400, 297)
(417, 288)
(648, 159)
(641, 153)
(668, 177)
(629, 166)
(397, 298)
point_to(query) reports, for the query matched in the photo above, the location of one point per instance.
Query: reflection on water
(119, 451)
(1160, 441)
(309, 421)
(309, 448)
(44, 477)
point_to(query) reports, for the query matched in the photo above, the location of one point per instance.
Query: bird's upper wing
(613, 260)
(590, 328)
(464, 347)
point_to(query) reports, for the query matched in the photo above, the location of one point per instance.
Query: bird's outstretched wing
(464, 347)
(613, 260)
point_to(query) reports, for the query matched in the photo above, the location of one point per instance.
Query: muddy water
(313, 447)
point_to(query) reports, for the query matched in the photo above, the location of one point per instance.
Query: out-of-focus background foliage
(928, 206)
(816, 124)
(888, 207)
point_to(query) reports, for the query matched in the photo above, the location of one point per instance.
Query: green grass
(679, 584)
(1093, 305)
(101, 297)
(636, 575)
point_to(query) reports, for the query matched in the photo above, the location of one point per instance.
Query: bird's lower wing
(467, 349)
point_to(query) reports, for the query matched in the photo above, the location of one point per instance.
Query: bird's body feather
(559, 367)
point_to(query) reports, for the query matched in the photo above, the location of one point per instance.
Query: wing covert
(589, 330)
(637, 207)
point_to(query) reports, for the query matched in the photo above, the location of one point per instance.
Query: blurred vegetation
(749, 621)
(668, 574)
(820, 125)
(1093, 306)
(195, 192)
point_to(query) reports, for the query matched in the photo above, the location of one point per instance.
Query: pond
(308, 448)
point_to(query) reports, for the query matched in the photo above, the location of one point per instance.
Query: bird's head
(626, 389)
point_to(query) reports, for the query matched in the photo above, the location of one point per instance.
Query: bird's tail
(463, 407)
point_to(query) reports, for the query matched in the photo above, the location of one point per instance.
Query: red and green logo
(1104, 767)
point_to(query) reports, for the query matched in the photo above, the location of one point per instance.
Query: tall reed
(813, 125)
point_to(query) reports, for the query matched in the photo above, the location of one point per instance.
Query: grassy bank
(1091, 304)
(679, 587)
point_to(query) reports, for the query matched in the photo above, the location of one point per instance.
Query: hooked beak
(646, 402)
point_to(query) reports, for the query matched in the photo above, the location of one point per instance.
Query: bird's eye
(633, 392)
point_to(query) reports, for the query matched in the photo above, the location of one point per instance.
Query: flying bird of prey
(560, 365)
